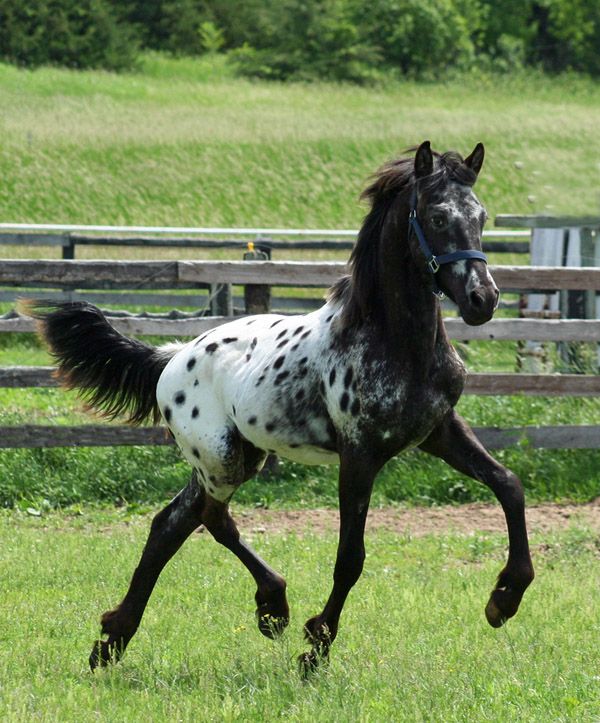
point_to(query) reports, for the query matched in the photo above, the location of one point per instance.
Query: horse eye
(438, 221)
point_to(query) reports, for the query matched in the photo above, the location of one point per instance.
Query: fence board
(585, 330)
(541, 385)
(188, 274)
(477, 383)
(36, 436)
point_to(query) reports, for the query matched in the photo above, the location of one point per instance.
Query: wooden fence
(255, 277)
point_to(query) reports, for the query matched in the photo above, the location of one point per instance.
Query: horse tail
(115, 375)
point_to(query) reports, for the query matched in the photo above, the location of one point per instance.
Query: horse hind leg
(272, 610)
(170, 528)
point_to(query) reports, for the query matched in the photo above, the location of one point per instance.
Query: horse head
(445, 225)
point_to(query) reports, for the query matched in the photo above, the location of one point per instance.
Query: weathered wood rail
(188, 274)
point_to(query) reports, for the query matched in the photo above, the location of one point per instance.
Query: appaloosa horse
(368, 375)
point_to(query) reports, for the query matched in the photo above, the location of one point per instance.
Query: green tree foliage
(311, 39)
(75, 33)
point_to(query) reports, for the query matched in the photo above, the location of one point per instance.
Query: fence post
(221, 300)
(257, 297)
(68, 253)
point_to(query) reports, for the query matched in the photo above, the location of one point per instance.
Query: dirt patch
(418, 521)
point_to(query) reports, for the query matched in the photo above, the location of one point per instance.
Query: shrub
(78, 34)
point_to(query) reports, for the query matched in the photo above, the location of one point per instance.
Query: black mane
(392, 182)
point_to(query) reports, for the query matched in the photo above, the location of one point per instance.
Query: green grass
(179, 144)
(413, 642)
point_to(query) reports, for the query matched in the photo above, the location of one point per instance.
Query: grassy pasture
(413, 642)
(181, 142)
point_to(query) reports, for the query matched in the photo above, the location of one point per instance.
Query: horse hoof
(271, 626)
(105, 652)
(494, 615)
(308, 664)
(100, 655)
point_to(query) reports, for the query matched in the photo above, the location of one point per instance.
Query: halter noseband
(434, 262)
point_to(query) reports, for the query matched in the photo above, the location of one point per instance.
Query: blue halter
(434, 262)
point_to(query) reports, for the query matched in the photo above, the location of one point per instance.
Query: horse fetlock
(118, 624)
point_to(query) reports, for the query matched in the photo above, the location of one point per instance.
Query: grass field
(413, 643)
(180, 144)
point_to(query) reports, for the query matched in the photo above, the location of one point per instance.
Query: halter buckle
(433, 265)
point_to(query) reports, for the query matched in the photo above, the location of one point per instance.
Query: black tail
(117, 375)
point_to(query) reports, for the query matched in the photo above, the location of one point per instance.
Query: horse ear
(424, 160)
(475, 160)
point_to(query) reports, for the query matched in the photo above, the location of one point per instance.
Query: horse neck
(411, 313)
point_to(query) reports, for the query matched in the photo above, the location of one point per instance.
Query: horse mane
(357, 291)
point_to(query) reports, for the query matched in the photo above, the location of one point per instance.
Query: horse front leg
(170, 528)
(455, 442)
(355, 485)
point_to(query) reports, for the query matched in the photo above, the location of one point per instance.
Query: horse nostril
(477, 299)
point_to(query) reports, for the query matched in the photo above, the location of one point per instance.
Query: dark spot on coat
(195, 412)
(211, 348)
(233, 409)
(302, 372)
(355, 408)
(281, 333)
(280, 377)
(254, 342)
(191, 364)
(354, 385)
(179, 398)
(195, 453)
(270, 426)
(252, 420)
(298, 330)
(196, 382)
(332, 377)
(293, 348)
(260, 380)
(282, 344)
(344, 401)
(250, 322)
(306, 333)
(275, 323)
(348, 377)
(279, 362)
(248, 357)
(167, 414)
(300, 394)
(229, 339)
(329, 318)
(303, 360)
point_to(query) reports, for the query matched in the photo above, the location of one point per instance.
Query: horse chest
(396, 405)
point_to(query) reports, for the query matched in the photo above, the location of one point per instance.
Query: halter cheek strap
(434, 262)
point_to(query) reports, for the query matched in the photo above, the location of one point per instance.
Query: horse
(368, 375)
